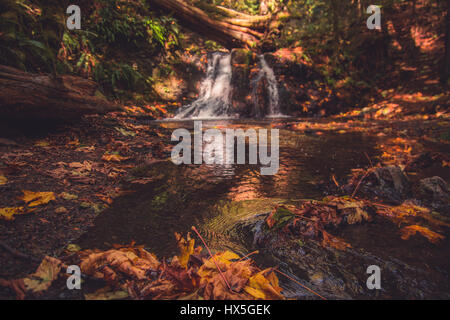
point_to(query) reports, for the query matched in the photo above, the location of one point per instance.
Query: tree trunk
(231, 28)
(42, 96)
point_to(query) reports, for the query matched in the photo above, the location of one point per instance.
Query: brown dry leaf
(37, 198)
(9, 212)
(191, 296)
(216, 289)
(264, 285)
(353, 208)
(407, 232)
(236, 273)
(335, 242)
(106, 293)
(85, 166)
(159, 289)
(133, 262)
(17, 285)
(113, 157)
(357, 216)
(85, 149)
(61, 210)
(3, 180)
(45, 274)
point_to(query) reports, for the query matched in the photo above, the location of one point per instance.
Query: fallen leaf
(335, 242)
(133, 262)
(46, 273)
(186, 247)
(261, 287)
(8, 213)
(113, 157)
(407, 232)
(71, 247)
(16, 285)
(37, 198)
(125, 132)
(68, 196)
(106, 293)
(61, 210)
(279, 217)
(3, 180)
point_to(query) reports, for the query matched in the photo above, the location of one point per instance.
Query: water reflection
(186, 195)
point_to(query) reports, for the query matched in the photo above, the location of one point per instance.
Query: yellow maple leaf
(8, 213)
(3, 180)
(37, 198)
(264, 287)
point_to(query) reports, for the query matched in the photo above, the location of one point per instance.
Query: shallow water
(215, 198)
(195, 195)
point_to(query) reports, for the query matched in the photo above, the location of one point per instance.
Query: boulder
(434, 192)
(389, 183)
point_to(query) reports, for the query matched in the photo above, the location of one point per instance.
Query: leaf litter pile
(310, 219)
(133, 272)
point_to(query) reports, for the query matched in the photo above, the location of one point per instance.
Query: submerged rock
(342, 274)
(389, 183)
(434, 191)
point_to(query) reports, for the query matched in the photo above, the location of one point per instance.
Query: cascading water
(215, 91)
(215, 96)
(266, 72)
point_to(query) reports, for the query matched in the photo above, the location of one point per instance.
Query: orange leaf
(409, 231)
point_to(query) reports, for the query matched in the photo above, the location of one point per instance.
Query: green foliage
(115, 35)
(112, 76)
(248, 6)
(119, 22)
(20, 45)
(113, 25)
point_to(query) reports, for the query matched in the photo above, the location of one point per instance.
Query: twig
(357, 186)
(310, 290)
(212, 257)
(248, 255)
(368, 158)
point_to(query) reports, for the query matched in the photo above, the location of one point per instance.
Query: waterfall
(215, 96)
(266, 72)
(215, 91)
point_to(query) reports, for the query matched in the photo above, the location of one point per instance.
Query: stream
(222, 200)
(228, 202)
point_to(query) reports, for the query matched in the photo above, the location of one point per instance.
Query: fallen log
(229, 31)
(24, 94)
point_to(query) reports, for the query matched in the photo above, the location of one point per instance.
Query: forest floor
(81, 169)
(54, 181)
